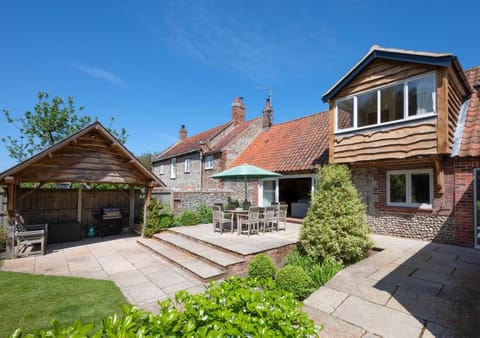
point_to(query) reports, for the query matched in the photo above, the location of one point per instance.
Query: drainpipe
(201, 170)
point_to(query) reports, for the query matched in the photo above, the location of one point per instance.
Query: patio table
(237, 213)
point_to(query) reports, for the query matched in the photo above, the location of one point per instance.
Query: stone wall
(183, 180)
(191, 200)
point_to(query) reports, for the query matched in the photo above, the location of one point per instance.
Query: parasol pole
(246, 201)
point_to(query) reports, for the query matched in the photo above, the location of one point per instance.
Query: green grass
(32, 301)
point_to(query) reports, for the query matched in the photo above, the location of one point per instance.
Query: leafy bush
(320, 273)
(3, 238)
(294, 279)
(187, 217)
(159, 217)
(336, 224)
(261, 267)
(206, 215)
(232, 308)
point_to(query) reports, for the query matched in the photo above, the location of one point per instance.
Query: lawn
(32, 301)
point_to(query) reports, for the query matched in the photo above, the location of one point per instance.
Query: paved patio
(143, 277)
(410, 289)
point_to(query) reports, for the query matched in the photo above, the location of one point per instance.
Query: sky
(155, 65)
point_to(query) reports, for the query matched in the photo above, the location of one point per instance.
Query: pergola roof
(92, 155)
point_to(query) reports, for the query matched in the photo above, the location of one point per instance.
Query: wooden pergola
(92, 155)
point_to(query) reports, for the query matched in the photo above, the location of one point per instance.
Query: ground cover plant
(32, 301)
(236, 307)
(336, 222)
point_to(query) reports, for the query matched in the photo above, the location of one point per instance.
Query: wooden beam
(442, 112)
(331, 131)
(131, 209)
(11, 200)
(114, 144)
(79, 203)
(439, 175)
(33, 190)
(9, 180)
(50, 155)
(148, 196)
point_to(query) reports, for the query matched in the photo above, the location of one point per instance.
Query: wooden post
(148, 196)
(11, 196)
(79, 204)
(131, 209)
(442, 112)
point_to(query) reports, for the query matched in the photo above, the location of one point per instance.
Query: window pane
(392, 103)
(345, 114)
(367, 109)
(398, 191)
(421, 188)
(420, 96)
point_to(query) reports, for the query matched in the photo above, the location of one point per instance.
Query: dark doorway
(295, 192)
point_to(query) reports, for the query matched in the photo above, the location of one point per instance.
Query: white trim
(408, 192)
(173, 168)
(475, 211)
(209, 162)
(161, 169)
(378, 90)
(187, 166)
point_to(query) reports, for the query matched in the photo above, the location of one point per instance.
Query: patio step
(202, 250)
(185, 260)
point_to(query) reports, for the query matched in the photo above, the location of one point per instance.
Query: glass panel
(392, 103)
(268, 193)
(420, 96)
(345, 114)
(398, 188)
(421, 188)
(367, 109)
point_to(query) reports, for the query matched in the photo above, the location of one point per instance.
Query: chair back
(217, 213)
(269, 213)
(253, 214)
(282, 212)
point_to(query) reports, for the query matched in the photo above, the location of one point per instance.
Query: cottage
(407, 123)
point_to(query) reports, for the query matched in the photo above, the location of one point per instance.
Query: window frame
(208, 162)
(408, 191)
(173, 168)
(161, 169)
(187, 166)
(406, 117)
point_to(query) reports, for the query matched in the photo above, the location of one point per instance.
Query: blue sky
(154, 65)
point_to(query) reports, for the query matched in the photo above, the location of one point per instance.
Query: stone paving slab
(326, 299)
(378, 319)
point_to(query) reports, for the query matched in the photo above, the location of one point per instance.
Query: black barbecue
(111, 222)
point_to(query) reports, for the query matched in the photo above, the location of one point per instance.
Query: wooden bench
(29, 239)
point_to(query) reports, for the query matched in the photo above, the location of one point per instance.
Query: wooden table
(237, 213)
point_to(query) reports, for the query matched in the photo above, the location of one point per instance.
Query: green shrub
(336, 224)
(3, 238)
(261, 267)
(187, 217)
(159, 217)
(206, 215)
(233, 308)
(294, 279)
(320, 273)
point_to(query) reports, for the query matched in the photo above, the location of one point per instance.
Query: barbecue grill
(111, 222)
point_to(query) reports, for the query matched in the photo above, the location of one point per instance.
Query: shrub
(232, 308)
(336, 225)
(294, 279)
(187, 217)
(159, 217)
(3, 238)
(206, 215)
(261, 267)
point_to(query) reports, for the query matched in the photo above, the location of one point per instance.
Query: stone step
(202, 250)
(183, 259)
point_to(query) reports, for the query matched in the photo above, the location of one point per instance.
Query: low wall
(190, 200)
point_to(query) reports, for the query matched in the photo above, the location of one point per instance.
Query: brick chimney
(238, 111)
(182, 133)
(267, 120)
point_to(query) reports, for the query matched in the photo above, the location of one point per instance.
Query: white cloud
(101, 74)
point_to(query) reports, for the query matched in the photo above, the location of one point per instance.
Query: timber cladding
(395, 143)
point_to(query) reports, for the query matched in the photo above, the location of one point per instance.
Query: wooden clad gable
(430, 135)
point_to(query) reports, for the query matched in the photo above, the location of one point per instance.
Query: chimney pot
(182, 133)
(267, 120)
(238, 110)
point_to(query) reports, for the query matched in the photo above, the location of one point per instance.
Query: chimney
(267, 120)
(238, 111)
(182, 133)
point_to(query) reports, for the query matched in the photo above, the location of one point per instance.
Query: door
(269, 194)
(476, 206)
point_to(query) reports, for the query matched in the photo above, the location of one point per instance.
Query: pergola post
(131, 209)
(79, 204)
(148, 196)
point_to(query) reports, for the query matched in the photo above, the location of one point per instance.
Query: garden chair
(28, 239)
(268, 218)
(280, 218)
(221, 219)
(250, 222)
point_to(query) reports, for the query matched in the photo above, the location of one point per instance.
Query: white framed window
(209, 162)
(410, 188)
(412, 98)
(187, 165)
(161, 169)
(173, 168)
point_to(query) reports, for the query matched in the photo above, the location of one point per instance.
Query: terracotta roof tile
(470, 145)
(297, 145)
(192, 143)
(232, 135)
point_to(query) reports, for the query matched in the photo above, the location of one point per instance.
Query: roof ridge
(300, 118)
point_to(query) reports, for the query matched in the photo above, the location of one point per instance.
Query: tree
(49, 123)
(146, 159)
(336, 222)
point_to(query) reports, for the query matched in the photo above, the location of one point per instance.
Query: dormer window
(412, 98)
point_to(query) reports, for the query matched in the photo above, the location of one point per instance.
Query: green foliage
(294, 279)
(187, 217)
(233, 308)
(159, 217)
(336, 225)
(261, 267)
(206, 215)
(146, 159)
(319, 272)
(49, 123)
(3, 238)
